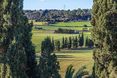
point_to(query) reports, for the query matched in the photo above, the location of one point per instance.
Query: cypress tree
(70, 43)
(76, 42)
(17, 40)
(86, 41)
(58, 44)
(81, 40)
(66, 42)
(63, 43)
(104, 34)
(53, 43)
(48, 64)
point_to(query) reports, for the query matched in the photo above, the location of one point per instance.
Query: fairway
(38, 37)
(66, 25)
(77, 58)
(77, 24)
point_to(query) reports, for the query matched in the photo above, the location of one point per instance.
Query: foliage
(104, 35)
(69, 72)
(48, 64)
(53, 16)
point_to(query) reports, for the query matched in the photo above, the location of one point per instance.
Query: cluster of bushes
(66, 31)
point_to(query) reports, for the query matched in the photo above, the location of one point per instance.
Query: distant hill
(52, 16)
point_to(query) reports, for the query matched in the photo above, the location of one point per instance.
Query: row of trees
(73, 42)
(59, 15)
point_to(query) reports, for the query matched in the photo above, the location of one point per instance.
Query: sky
(57, 4)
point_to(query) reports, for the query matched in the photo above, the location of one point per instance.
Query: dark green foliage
(70, 43)
(104, 35)
(59, 15)
(48, 64)
(76, 42)
(81, 73)
(17, 47)
(81, 40)
(29, 49)
(53, 43)
(63, 43)
(17, 60)
(69, 72)
(66, 42)
(58, 45)
(89, 43)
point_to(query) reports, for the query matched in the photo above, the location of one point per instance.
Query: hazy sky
(57, 4)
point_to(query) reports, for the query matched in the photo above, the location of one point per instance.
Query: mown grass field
(77, 58)
(67, 25)
(77, 24)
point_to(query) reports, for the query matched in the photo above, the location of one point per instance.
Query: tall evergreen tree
(76, 42)
(81, 40)
(63, 43)
(70, 43)
(48, 64)
(53, 43)
(16, 33)
(58, 45)
(86, 42)
(66, 42)
(104, 34)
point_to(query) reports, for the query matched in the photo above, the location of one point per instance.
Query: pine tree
(48, 64)
(104, 36)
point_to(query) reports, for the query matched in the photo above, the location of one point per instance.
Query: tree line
(52, 16)
(73, 42)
